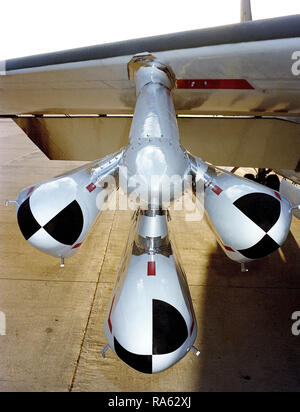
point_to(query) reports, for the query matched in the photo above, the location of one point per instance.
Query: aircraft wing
(248, 70)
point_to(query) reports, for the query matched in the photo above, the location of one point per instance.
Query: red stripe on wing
(217, 84)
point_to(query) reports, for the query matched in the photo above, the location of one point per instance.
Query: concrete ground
(55, 316)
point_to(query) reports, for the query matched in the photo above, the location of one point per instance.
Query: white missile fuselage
(249, 220)
(55, 216)
(150, 321)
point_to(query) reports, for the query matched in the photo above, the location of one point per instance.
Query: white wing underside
(102, 86)
(77, 82)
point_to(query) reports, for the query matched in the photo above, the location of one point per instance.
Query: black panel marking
(28, 224)
(262, 209)
(141, 363)
(67, 225)
(263, 248)
(278, 28)
(169, 328)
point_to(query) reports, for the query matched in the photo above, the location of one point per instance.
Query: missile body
(154, 156)
(55, 215)
(150, 322)
(249, 220)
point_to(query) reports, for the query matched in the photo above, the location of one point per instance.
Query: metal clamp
(146, 59)
(7, 202)
(243, 268)
(195, 350)
(104, 351)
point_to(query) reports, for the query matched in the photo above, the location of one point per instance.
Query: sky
(34, 26)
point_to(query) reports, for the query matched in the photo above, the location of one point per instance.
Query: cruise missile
(250, 220)
(55, 216)
(150, 322)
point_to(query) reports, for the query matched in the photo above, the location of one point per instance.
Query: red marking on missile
(151, 269)
(219, 84)
(229, 248)
(77, 245)
(192, 326)
(109, 321)
(217, 190)
(192, 314)
(30, 190)
(91, 187)
(278, 195)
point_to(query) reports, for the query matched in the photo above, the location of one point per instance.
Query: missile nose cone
(149, 364)
(65, 227)
(169, 328)
(261, 208)
(169, 340)
(55, 215)
(150, 323)
(50, 218)
(250, 220)
(268, 213)
(27, 223)
(141, 363)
